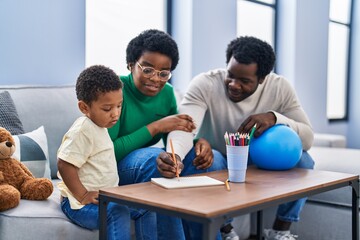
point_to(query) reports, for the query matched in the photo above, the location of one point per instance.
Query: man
(235, 99)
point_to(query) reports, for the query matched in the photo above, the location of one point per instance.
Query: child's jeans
(118, 220)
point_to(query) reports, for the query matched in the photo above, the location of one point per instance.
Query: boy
(86, 159)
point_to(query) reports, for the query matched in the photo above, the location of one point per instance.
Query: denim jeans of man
(290, 212)
(118, 220)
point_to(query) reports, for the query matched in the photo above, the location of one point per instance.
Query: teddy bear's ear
(7, 144)
(5, 135)
(2, 131)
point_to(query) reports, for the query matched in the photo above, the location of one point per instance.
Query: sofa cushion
(32, 151)
(329, 140)
(344, 160)
(44, 217)
(9, 118)
(54, 107)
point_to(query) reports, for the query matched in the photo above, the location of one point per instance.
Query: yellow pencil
(227, 185)
(174, 159)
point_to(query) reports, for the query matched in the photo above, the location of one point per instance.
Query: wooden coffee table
(211, 206)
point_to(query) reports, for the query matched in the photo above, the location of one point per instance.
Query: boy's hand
(166, 165)
(204, 155)
(90, 197)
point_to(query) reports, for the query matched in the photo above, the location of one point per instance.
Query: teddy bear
(16, 181)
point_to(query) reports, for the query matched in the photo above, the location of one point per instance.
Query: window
(257, 18)
(338, 58)
(111, 24)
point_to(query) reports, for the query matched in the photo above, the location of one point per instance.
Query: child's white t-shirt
(89, 148)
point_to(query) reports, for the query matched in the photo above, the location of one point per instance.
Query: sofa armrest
(329, 140)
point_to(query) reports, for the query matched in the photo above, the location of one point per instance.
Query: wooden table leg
(259, 225)
(102, 218)
(355, 211)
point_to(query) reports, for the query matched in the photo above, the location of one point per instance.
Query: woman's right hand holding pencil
(166, 165)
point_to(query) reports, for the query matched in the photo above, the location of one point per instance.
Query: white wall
(303, 57)
(353, 131)
(41, 42)
(301, 53)
(202, 29)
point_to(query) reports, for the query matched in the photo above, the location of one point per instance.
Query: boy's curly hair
(95, 80)
(248, 50)
(152, 40)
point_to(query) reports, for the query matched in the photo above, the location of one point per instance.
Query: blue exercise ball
(278, 148)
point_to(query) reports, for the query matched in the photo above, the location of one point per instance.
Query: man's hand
(263, 121)
(204, 155)
(166, 165)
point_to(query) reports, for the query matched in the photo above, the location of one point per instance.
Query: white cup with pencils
(237, 160)
(237, 154)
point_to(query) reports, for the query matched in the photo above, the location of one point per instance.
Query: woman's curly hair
(152, 40)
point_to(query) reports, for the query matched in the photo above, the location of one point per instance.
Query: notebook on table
(186, 182)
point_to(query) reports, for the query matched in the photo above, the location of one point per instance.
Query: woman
(149, 113)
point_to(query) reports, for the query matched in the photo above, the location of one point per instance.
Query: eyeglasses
(149, 72)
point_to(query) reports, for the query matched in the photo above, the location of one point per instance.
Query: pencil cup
(237, 159)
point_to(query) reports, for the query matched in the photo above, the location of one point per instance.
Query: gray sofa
(325, 216)
(55, 108)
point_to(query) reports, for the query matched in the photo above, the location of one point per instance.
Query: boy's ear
(84, 108)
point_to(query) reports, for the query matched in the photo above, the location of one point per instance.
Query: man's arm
(298, 121)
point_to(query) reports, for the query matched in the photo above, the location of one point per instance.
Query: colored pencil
(174, 159)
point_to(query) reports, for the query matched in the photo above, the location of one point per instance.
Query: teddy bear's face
(7, 144)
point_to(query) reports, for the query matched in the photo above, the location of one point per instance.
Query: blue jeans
(290, 212)
(118, 220)
(140, 166)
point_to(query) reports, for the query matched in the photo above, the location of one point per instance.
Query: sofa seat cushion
(329, 140)
(344, 160)
(32, 217)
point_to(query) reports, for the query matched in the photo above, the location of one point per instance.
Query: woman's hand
(204, 155)
(166, 165)
(167, 124)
